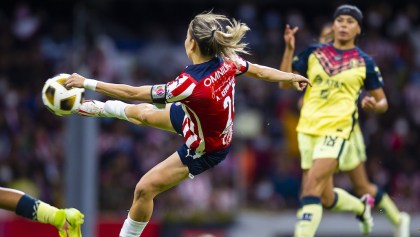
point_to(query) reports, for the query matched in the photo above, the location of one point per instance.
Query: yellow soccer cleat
(59, 221)
(74, 220)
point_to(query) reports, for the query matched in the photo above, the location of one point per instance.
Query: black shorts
(196, 164)
(177, 115)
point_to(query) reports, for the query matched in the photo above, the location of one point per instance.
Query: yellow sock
(347, 202)
(50, 215)
(391, 211)
(310, 218)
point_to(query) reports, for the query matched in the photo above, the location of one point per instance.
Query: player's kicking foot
(74, 219)
(68, 222)
(92, 108)
(366, 220)
(403, 228)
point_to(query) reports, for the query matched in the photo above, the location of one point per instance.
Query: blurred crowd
(129, 44)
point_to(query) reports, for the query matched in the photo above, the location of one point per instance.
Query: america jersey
(338, 76)
(206, 92)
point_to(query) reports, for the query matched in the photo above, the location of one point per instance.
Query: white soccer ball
(60, 100)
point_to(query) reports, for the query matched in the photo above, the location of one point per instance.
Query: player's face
(346, 28)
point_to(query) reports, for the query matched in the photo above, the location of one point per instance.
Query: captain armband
(158, 93)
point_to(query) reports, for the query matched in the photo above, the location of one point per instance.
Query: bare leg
(318, 177)
(160, 178)
(360, 181)
(9, 198)
(149, 115)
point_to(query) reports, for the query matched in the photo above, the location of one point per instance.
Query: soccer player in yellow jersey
(328, 133)
(67, 221)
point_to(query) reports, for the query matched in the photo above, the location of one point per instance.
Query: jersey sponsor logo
(214, 77)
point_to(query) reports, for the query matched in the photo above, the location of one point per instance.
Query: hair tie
(212, 33)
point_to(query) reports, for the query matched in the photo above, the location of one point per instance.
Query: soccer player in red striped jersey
(199, 106)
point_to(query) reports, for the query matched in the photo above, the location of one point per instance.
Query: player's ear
(194, 45)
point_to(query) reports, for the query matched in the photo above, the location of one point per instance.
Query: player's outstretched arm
(119, 91)
(275, 75)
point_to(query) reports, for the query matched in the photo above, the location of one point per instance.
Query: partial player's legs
(361, 185)
(141, 114)
(34, 209)
(316, 181)
(162, 177)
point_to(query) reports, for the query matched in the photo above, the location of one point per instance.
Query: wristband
(90, 84)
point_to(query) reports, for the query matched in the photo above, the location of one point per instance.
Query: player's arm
(275, 75)
(119, 91)
(376, 102)
(289, 50)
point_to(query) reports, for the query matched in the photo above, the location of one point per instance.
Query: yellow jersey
(338, 76)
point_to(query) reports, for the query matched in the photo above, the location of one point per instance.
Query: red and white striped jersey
(206, 92)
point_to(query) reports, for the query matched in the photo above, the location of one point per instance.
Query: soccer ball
(60, 100)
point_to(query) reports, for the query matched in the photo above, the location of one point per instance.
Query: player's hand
(289, 36)
(369, 104)
(75, 80)
(300, 82)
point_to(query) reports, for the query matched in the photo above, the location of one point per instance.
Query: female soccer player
(331, 138)
(204, 115)
(67, 221)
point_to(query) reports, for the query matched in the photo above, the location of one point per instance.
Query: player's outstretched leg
(93, 108)
(110, 109)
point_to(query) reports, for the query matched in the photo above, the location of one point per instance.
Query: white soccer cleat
(92, 108)
(366, 220)
(403, 228)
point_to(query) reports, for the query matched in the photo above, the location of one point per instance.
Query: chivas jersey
(206, 92)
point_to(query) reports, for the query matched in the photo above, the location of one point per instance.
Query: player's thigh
(318, 176)
(306, 144)
(149, 115)
(164, 175)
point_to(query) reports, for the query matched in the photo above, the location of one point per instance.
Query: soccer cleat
(92, 108)
(59, 221)
(403, 228)
(74, 220)
(366, 220)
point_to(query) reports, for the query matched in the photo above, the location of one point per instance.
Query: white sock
(116, 109)
(132, 228)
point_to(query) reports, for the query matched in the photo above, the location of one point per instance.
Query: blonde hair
(218, 35)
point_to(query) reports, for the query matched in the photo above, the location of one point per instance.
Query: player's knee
(314, 185)
(143, 190)
(138, 114)
(144, 112)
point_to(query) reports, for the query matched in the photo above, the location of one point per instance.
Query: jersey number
(227, 133)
